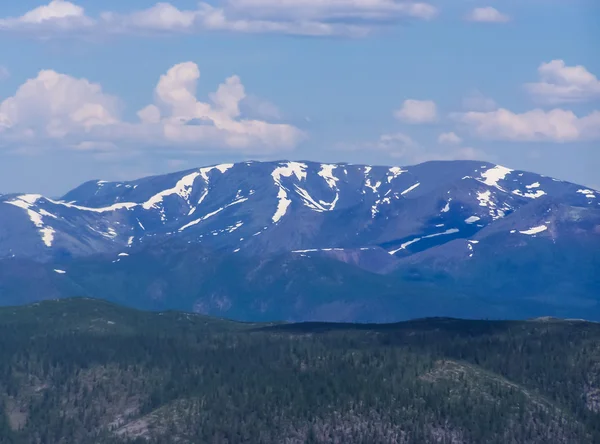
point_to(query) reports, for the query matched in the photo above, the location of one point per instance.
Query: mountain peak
(265, 207)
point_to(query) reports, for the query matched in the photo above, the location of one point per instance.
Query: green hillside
(86, 371)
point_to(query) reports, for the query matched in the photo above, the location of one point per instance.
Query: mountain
(304, 240)
(80, 371)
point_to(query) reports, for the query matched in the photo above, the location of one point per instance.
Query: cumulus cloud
(417, 111)
(255, 106)
(487, 15)
(160, 17)
(77, 113)
(53, 105)
(57, 17)
(560, 83)
(557, 125)
(449, 138)
(300, 17)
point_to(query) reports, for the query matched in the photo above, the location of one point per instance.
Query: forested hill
(85, 371)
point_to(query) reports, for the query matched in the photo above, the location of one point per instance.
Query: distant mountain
(83, 371)
(305, 240)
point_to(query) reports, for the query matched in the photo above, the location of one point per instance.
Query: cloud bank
(560, 83)
(297, 17)
(76, 112)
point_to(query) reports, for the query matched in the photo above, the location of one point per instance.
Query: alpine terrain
(311, 241)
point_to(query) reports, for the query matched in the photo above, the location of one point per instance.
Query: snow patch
(493, 175)
(286, 170)
(308, 200)
(447, 207)
(114, 207)
(417, 239)
(183, 189)
(25, 202)
(588, 193)
(472, 219)
(409, 189)
(327, 174)
(47, 235)
(282, 205)
(404, 245)
(312, 250)
(534, 230)
(395, 172)
(211, 214)
(485, 200)
(56, 270)
(374, 188)
(45, 213)
(530, 195)
(223, 167)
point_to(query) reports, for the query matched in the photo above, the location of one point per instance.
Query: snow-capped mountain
(258, 208)
(305, 240)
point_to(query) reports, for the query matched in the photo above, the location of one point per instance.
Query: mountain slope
(277, 206)
(305, 241)
(82, 371)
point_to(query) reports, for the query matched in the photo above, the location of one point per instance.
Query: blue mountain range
(305, 240)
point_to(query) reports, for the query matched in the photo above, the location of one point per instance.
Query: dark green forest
(86, 371)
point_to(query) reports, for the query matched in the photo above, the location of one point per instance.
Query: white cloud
(54, 104)
(476, 101)
(333, 9)
(56, 9)
(464, 153)
(417, 111)
(557, 125)
(487, 15)
(160, 17)
(401, 146)
(255, 106)
(77, 113)
(393, 144)
(300, 17)
(449, 138)
(560, 83)
(56, 16)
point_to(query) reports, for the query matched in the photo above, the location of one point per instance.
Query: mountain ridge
(305, 241)
(81, 371)
(117, 214)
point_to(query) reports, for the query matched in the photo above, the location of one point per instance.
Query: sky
(118, 90)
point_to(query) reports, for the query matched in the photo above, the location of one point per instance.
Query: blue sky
(116, 90)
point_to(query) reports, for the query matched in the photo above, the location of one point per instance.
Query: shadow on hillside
(454, 327)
